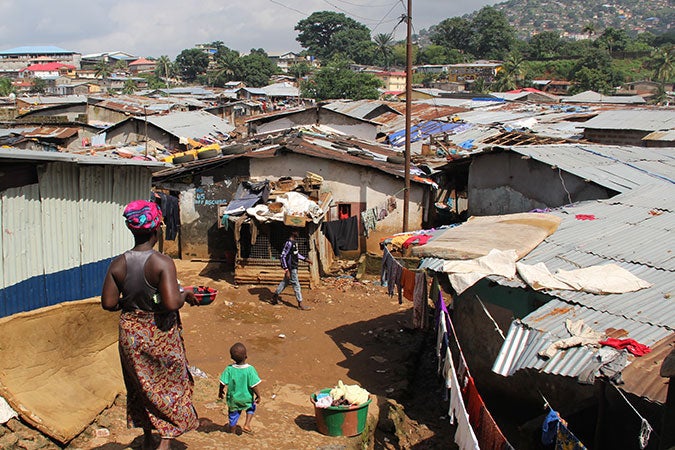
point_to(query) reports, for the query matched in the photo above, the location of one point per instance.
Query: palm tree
(120, 66)
(6, 86)
(164, 68)
(129, 87)
(225, 66)
(662, 63)
(384, 42)
(512, 72)
(102, 70)
(589, 29)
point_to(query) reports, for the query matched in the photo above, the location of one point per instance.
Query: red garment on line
(487, 432)
(584, 217)
(631, 345)
(408, 283)
(419, 239)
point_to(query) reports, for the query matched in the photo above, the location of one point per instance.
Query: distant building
(431, 68)
(288, 59)
(111, 58)
(393, 81)
(15, 59)
(486, 70)
(142, 65)
(48, 70)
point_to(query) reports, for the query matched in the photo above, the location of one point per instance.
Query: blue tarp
(424, 130)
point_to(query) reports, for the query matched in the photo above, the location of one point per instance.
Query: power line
(288, 7)
(385, 16)
(347, 12)
(364, 6)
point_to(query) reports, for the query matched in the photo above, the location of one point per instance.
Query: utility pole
(408, 108)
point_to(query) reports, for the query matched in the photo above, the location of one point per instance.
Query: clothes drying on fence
(465, 438)
(408, 283)
(487, 432)
(168, 204)
(420, 301)
(342, 234)
(476, 427)
(369, 220)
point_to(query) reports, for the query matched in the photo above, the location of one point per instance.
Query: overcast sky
(166, 27)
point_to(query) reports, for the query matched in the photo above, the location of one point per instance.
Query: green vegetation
(602, 56)
(335, 81)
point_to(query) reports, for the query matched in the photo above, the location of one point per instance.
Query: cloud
(166, 27)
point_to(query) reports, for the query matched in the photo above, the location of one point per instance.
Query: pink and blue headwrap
(142, 215)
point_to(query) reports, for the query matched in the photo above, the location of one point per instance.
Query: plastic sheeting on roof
(426, 129)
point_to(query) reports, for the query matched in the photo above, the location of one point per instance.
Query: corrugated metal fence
(58, 236)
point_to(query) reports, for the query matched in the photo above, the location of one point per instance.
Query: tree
(661, 62)
(6, 87)
(164, 68)
(317, 33)
(491, 35)
(120, 66)
(434, 54)
(613, 39)
(589, 29)
(336, 81)
(39, 86)
(591, 79)
(226, 66)
(103, 71)
(544, 45)
(452, 33)
(129, 87)
(256, 68)
(512, 72)
(384, 42)
(399, 52)
(299, 70)
(190, 63)
(354, 45)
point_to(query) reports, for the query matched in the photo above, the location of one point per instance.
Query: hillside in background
(571, 18)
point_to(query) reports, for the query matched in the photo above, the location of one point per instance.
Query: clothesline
(476, 428)
(645, 428)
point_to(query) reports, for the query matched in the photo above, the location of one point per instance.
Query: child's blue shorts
(234, 415)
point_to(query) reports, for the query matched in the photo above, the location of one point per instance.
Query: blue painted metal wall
(59, 235)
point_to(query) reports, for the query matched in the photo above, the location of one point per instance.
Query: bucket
(340, 420)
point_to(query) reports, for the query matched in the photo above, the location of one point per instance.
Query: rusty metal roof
(51, 132)
(338, 148)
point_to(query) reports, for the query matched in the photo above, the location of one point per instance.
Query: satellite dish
(12, 96)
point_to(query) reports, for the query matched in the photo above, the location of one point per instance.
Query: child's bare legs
(247, 423)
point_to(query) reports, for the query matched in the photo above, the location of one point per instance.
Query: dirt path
(354, 332)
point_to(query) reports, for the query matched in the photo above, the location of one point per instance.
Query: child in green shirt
(241, 381)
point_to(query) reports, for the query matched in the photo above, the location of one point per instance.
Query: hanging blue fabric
(549, 428)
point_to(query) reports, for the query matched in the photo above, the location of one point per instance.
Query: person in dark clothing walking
(289, 262)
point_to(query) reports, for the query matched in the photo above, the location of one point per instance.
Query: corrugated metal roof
(668, 136)
(594, 97)
(630, 230)
(36, 50)
(192, 124)
(281, 90)
(48, 100)
(37, 155)
(614, 167)
(361, 109)
(642, 376)
(493, 117)
(643, 120)
(424, 130)
(51, 132)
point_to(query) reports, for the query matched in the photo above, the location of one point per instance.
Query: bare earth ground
(354, 332)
